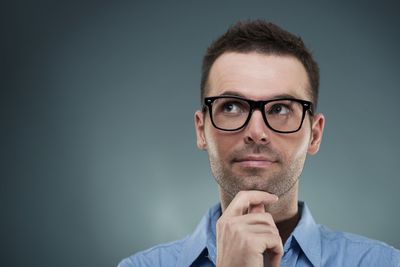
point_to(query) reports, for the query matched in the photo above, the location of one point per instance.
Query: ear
(199, 126)
(317, 131)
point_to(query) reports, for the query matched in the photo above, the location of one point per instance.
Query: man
(259, 91)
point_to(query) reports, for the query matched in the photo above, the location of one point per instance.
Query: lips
(255, 161)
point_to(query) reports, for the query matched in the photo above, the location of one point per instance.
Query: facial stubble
(277, 180)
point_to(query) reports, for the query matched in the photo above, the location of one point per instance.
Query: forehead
(258, 76)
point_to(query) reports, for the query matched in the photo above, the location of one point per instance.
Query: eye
(232, 107)
(279, 109)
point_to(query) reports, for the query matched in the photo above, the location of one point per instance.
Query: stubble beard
(278, 181)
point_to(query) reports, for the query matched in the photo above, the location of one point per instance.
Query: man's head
(257, 148)
(265, 38)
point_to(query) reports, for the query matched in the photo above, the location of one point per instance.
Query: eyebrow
(232, 93)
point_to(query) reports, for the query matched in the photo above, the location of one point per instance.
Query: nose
(256, 130)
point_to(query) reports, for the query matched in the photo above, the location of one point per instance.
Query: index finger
(244, 199)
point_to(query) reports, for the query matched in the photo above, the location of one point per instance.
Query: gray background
(99, 156)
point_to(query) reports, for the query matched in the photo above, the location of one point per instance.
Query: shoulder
(160, 255)
(181, 252)
(355, 250)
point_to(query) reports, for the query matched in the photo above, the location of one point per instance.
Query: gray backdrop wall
(99, 156)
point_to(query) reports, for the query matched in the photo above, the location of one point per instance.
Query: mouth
(253, 161)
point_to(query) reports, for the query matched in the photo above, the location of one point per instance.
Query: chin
(255, 186)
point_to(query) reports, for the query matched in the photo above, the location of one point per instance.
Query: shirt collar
(307, 236)
(202, 238)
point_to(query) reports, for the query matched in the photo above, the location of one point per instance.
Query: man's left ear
(317, 131)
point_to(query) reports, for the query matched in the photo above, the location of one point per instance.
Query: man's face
(255, 157)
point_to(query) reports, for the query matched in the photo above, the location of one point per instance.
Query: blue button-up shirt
(310, 244)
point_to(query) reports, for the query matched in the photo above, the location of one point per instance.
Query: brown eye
(231, 107)
(279, 109)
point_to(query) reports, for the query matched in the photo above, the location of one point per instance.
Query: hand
(246, 233)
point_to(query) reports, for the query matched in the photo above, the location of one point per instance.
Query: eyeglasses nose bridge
(257, 105)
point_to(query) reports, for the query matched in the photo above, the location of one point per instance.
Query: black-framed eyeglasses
(232, 113)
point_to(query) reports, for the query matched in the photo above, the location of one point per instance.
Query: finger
(273, 245)
(262, 220)
(267, 243)
(261, 229)
(244, 199)
(258, 208)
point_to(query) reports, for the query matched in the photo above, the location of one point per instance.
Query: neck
(284, 211)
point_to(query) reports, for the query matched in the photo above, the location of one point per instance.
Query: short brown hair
(266, 38)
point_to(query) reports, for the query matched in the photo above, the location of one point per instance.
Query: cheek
(220, 144)
(294, 145)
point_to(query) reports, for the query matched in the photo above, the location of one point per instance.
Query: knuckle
(225, 223)
(221, 223)
(275, 231)
(268, 217)
(230, 224)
